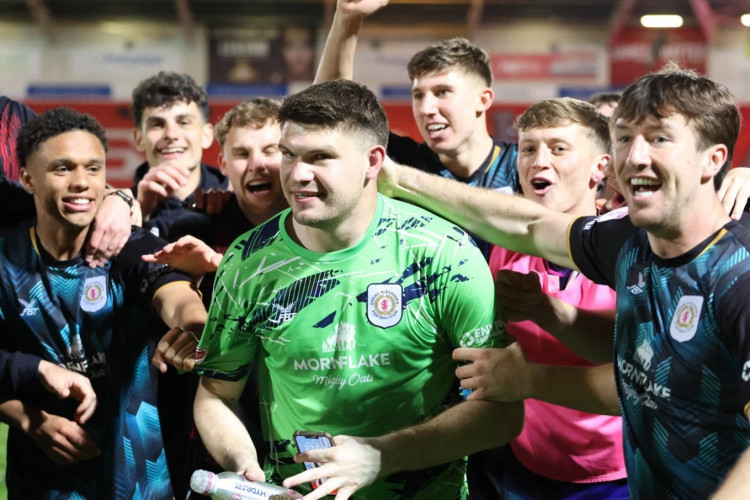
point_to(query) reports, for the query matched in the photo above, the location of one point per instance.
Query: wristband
(127, 199)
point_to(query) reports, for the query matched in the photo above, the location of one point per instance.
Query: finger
(468, 353)
(156, 189)
(740, 203)
(82, 445)
(307, 476)
(723, 188)
(328, 487)
(729, 199)
(169, 178)
(465, 372)
(168, 339)
(150, 257)
(159, 362)
(187, 354)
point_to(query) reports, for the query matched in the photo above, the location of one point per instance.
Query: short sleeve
(226, 349)
(595, 243)
(733, 316)
(467, 310)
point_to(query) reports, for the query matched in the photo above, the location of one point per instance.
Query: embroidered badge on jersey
(94, 293)
(384, 304)
(686, 317)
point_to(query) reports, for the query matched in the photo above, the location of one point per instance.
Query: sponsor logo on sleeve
(94, 294)
(686, 317)
(384, 304)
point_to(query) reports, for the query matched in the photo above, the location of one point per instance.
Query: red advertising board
(637, 51)
(554, 66)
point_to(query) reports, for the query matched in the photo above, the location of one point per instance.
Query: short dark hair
(564, 111)
(706, 105)
(256, 112)
(454, 53)
(604, 98)
(164, 89)
(338, 104)
(52, 123)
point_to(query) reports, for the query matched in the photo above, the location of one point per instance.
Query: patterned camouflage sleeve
(467, 308)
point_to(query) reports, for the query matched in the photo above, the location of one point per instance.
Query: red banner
(555, 66)
(638, 51)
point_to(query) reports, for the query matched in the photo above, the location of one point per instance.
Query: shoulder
(418, 223)
(211, 177)
(255, 240)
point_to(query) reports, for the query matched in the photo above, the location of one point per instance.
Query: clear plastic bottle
(233, 486)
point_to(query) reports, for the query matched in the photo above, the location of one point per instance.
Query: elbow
(510, 423)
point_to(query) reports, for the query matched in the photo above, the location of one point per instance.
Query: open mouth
(643, 188)
(541, 186)
(258, 187)
(171, 152)
(436, 128)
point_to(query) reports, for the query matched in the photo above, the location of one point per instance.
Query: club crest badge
(686, 318)
(384, 304)
(94, 294)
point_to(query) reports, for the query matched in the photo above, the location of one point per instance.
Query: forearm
(222, 432)
(589, 389)
(337, 61)
(509, 221)
(737, 482)
(178, 304)
(464, 429)
(588, 333)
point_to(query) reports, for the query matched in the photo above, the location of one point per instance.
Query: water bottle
(233, 486)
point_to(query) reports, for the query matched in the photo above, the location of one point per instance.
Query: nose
(300, 172)
(542, 158)
(170, 129)
(426, 105)
(79, 180)
(638, 154)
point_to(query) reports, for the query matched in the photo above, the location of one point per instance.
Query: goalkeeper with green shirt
(351, 303)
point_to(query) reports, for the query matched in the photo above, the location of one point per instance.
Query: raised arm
(337, 61)
(224, 435)
(509, 221)
(354, 463)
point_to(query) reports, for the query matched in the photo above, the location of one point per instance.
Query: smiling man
(450, 93)
(92, 321)
(351, 304)
(171, 117)
(682, 276)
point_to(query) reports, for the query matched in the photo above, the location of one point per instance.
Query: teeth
(172, 150)
(435, 128)
(644, 182)
(80, 201)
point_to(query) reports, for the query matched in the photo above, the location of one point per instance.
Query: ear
(207, 136)
(597, 171)
(375, 158)
(222, 163)
(138, 140)
(27, 180)
(485, 100)
(714, 158)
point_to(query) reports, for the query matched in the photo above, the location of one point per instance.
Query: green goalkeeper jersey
(357, 341)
